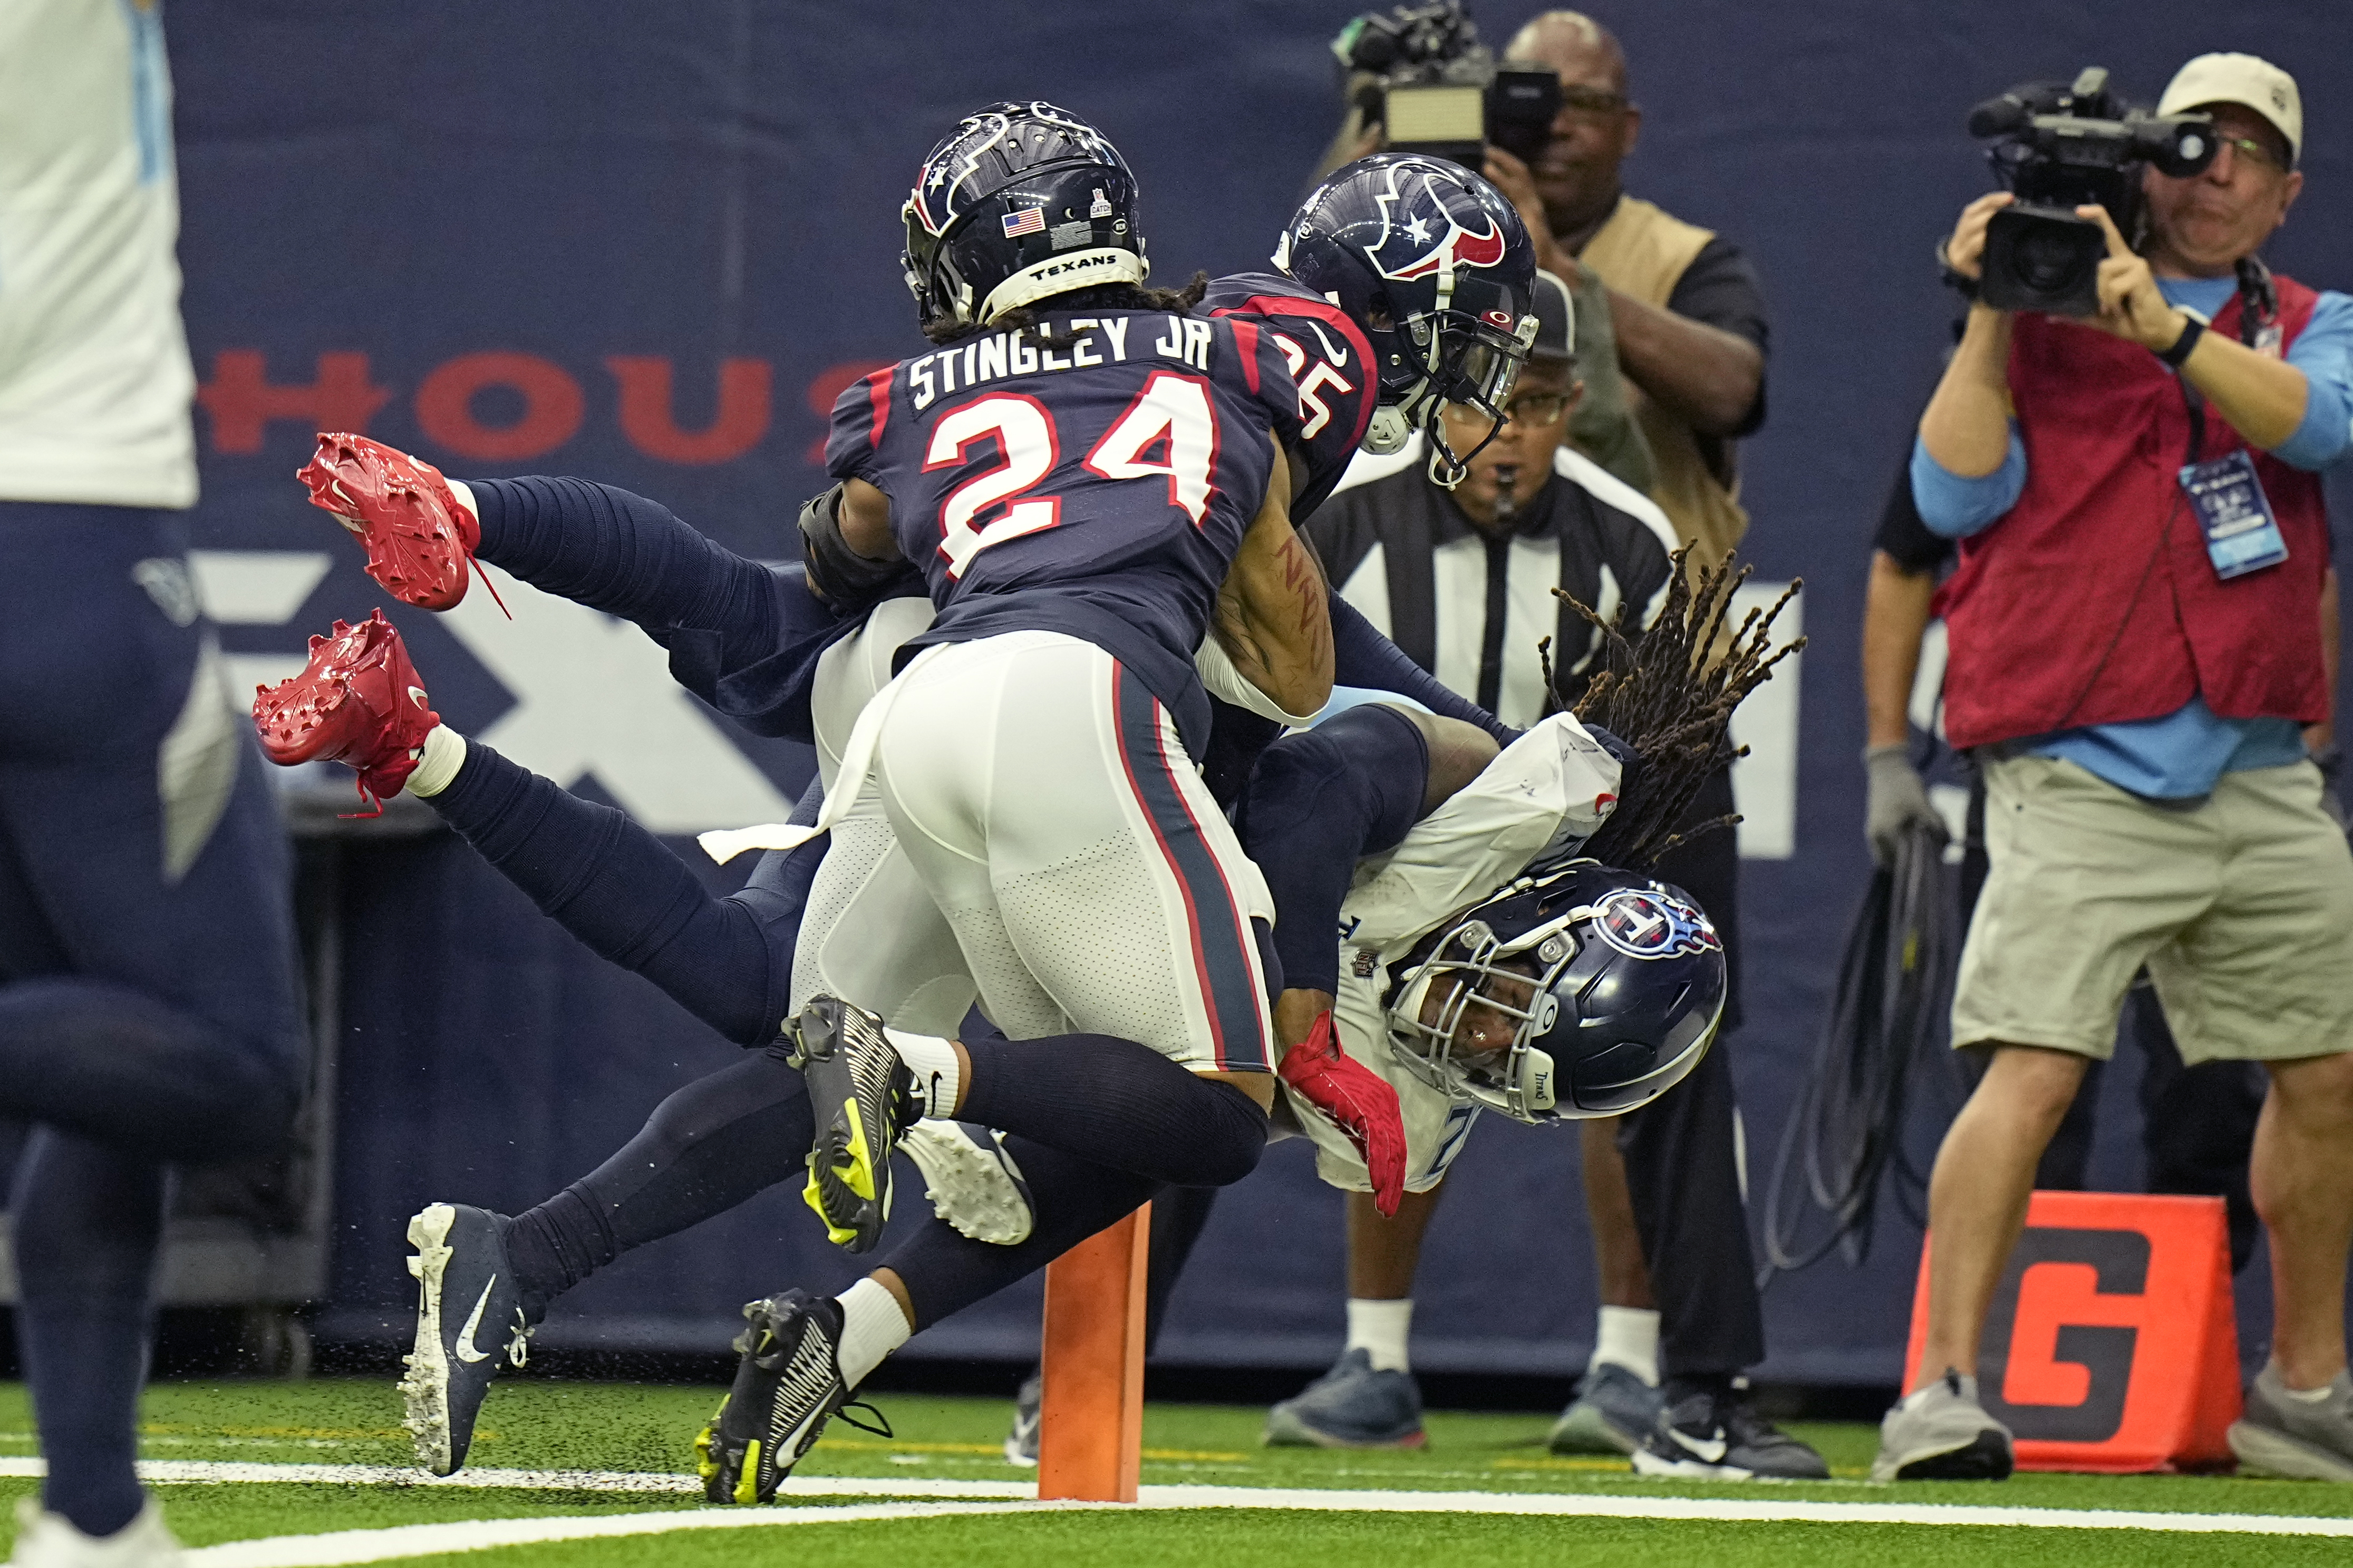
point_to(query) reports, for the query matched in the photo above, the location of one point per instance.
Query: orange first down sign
(2111, 1345)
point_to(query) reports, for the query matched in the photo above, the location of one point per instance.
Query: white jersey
(1549, 790)
(94, 373)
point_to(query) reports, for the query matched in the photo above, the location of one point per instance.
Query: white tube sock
(1379, 1328)
(1628, 1337)
(443, 753)
(872, 1326)
(932, 1060)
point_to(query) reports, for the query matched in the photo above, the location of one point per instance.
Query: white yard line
(418, 1540)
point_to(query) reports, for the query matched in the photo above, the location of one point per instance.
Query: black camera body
(2060, 147)
(1442, 93)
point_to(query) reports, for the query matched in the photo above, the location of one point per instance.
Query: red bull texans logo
(1414, 248)
(1652, 925)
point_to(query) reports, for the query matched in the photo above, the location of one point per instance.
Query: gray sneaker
(1021, 1442)
(2300, 1440)
(1941, 1433)
(1351, 1406)
(1613, 1408)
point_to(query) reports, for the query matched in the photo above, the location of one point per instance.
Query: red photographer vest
(2093, 601)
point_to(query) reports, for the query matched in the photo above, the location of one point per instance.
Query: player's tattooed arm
(1274, 618)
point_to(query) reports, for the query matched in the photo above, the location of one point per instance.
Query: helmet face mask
(1578, 992)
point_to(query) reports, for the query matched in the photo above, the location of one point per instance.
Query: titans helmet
(1436, 268)
(1611, 986)
(1019, 203)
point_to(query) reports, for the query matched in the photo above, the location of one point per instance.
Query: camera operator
(2134, 644)
(2197, 1123)
(1685, 303)
(1435, 37)
(1463, 580)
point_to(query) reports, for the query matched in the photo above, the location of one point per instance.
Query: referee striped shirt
(1471, 609)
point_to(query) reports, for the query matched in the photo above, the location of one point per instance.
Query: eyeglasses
(1591, 100)
(2256, 151)
(1532, 410)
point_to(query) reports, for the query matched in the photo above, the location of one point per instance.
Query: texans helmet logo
(1643, 924)
(1428, 236)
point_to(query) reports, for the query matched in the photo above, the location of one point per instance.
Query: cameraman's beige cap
(2243, 80)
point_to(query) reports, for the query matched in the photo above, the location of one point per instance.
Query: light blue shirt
(2184, 752)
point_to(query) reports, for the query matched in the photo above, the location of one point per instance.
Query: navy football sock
(614, 551)
(946, 1272)
(89, 1218)
(620, 891)
(707, 1148)
(1117, 1103)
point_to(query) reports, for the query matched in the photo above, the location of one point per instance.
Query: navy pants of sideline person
(149, 1004)
(1680, 1151)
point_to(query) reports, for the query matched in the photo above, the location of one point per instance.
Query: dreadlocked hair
(1670, 698)
(1102, 297)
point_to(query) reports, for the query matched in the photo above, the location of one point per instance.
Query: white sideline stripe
(475, 1535)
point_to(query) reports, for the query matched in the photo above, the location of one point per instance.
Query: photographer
(2135, 642)
(1463, 580)
(1685, 303)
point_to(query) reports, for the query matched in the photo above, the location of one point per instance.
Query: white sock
(872, 1326)
(1379, 1330)
(1628, 1337)
(932, 1060)
(443, 752)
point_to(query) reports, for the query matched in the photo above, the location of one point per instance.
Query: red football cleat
(1359, 1101)
(358, 701)
(420, 540)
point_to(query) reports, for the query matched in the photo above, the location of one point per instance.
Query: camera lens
(2047, 259)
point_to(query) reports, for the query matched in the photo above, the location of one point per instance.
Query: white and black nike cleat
(471, 1323)
(862, 1095)
(1718, 1436)
(788, 1385)
(973, 1183)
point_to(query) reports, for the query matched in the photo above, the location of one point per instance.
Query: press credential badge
(2241, 534)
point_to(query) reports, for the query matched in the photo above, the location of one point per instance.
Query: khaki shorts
(2240, 904)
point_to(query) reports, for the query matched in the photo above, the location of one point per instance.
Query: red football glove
(1354, 1097)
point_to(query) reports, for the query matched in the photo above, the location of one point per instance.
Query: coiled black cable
(1885, 1040)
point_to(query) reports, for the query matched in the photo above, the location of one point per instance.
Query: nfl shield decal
(1640, 923)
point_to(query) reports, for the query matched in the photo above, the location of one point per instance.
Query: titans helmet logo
(1644, 924)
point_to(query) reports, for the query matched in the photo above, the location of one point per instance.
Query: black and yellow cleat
(788, 1385)
(862, 1097)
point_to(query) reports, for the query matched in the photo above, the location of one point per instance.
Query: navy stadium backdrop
(646, 245)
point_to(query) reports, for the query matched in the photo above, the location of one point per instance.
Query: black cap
(1556, 321)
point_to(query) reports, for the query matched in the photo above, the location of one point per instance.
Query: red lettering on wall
(552, 405)
(829, 384)
(242, 401)
(650, 421)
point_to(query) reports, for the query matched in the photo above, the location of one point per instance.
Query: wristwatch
(2192, 329)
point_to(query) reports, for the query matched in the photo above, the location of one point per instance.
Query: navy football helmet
(1436, 268)
(1611, 986)
(1019, 201)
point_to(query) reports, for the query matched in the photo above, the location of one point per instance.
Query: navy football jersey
(1330, 363)
(1097, 486)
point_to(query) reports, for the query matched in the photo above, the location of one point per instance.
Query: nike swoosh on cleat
(464, 1346)
(1711, 1449)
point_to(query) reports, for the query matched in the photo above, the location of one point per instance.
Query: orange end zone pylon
(1091, 1436)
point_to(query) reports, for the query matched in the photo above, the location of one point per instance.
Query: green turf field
(626, 1432)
